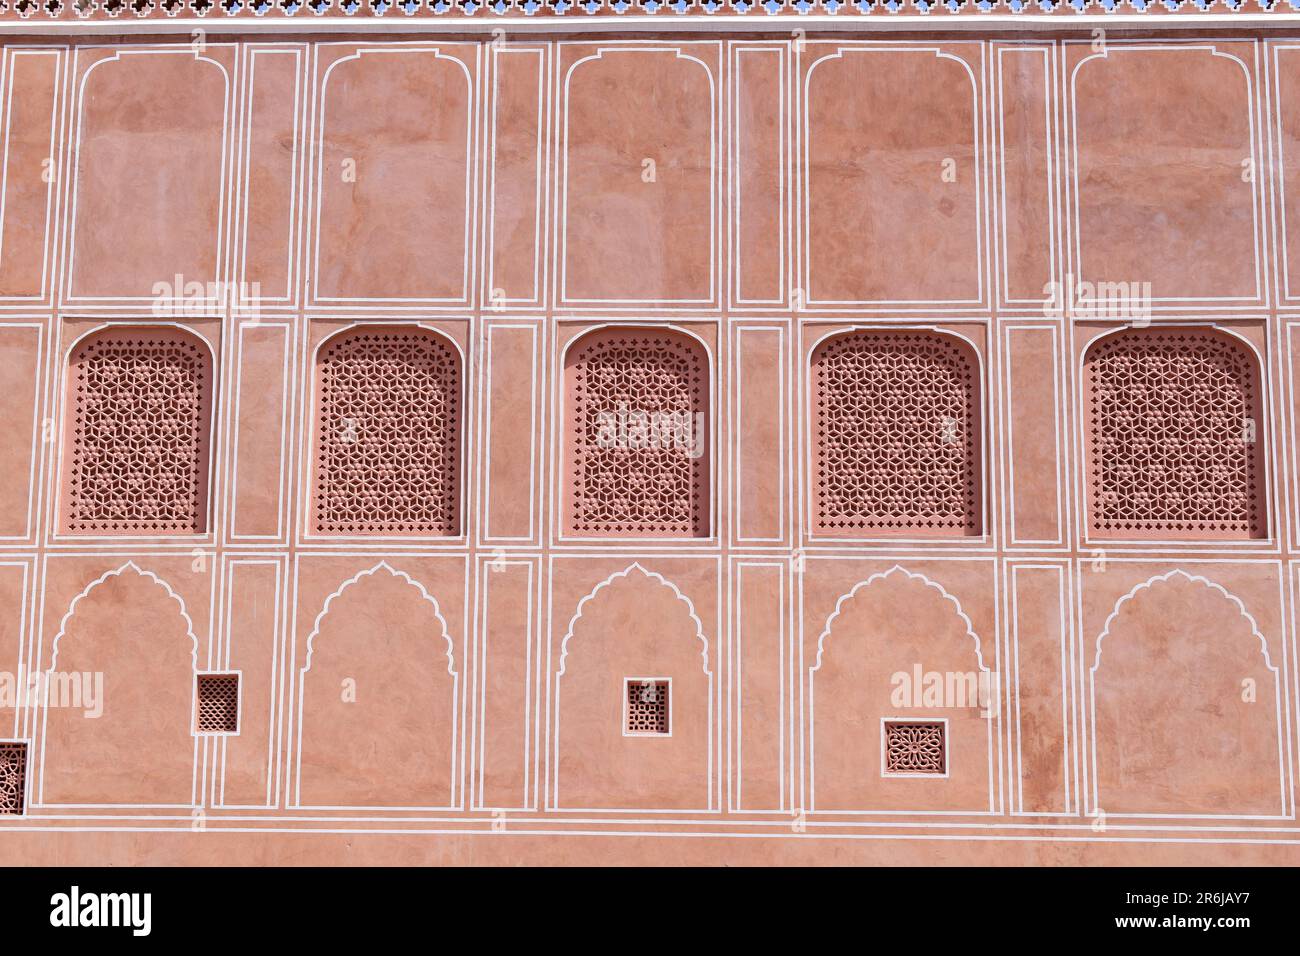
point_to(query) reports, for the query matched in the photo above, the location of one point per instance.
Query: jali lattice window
(139, 403)
(915, 747)
(637, 457)
(647, 711)
(1175, 435)
(388, 438)
(13, 777)
(895, 435)
(218, 703)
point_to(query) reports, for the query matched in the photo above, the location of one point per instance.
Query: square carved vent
(915, 748)
(646, 712)
(13, 776)
(218, 706)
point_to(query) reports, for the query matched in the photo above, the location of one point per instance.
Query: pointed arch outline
(625, 573)
(553, 750)
(356, 579)
(85, 592)
(42, 696)
(1093, 790)
(457, 755)
(995, 714)
(1194, 579)
(912, 575)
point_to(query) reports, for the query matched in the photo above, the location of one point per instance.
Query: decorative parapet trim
(577, 12)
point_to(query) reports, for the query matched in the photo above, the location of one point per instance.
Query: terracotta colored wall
(754, 196)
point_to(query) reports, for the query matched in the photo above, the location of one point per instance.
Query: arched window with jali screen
(388, 433)
(139, 413)
(895, 435)
(636, 461)
(1174, 434)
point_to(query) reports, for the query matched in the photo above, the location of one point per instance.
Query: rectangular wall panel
(639, 186)
(20, 427)
(261, 393)
(760, 757)
(760, 227)
(1033, 409)
(266, 252)
(761, 470)
(1039, 599)
(1292, 392)
(516, 164)
(395, 175)
(1286, 96)
(29, 109)
(507, 690)
(511, 421)
(14, 576)
(252, 647)
(1026, 173)
(147, 206)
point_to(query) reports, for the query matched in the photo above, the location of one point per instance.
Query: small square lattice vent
(916, 747)
(218, 703)
(13, 777)
(647, 707)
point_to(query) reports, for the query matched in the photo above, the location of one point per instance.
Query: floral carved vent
(647, 706)
(896, 435)
(138, 434)
(637, 462)
(218, 704)
(1174, 435)
(915, 747)
(388, 446)
(13, 777)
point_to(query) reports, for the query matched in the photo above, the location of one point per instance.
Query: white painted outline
(994, 764)
(553, 789)
(309, 647)
(319, 137)
(1095, 803)
(1256, 135)
(74, 182)
(54, 661)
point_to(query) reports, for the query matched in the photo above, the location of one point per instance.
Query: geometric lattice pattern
(218, 703)
(1172, 421)
(915, 747)
(647, 706)
(13, 777)
(388, 446)
(896, 435)
(138, 410)
(638, 452)
(518, 10)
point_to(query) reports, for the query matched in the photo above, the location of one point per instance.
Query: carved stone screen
(895, 435)
(637, 435)
(1174, 436)
(388, 435)
(137, 440)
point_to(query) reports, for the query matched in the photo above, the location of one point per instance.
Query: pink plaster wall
(754, 196)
